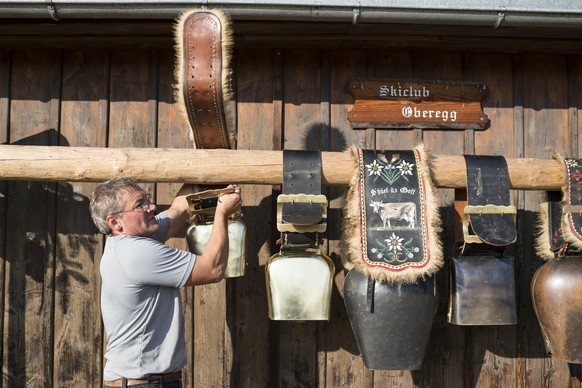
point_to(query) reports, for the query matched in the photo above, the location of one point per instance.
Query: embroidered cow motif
(392, 225)
(395, 211)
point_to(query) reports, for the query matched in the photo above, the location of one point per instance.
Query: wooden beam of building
(220, 166)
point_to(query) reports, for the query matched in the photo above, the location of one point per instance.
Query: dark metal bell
(391, 323)
(482, 291)
(556, 290)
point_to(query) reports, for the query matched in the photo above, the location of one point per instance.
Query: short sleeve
(150, 262)
(164, 226)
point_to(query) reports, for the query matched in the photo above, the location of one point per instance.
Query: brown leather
(165, 378)
(202, 79)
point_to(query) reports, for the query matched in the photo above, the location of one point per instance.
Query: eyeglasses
(142, 206)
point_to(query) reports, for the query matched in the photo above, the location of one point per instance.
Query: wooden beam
(90, 164)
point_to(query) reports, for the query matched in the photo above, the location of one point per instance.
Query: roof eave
(535, 13)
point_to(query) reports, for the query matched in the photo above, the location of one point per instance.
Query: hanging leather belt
(300, 277)
(488, 218)
(301, 209)
(203, 40)
(482, 277)
(561, 216)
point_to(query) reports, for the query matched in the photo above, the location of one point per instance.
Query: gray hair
(108, 199)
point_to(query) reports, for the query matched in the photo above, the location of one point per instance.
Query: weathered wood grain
(173, 132)
(400, 64)
(252, 34)
(438, 370)
(302, 129)
(343, 367)
(574, 65)
(77, 328)
(259, 128)
(545, 105)
(5, 74)
(132, 129)
(30, 235)
(494, 347)
(84, 164)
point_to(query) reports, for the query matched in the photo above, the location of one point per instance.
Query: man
(142, 277)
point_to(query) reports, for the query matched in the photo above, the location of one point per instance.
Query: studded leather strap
(301, 175)
(202, 79)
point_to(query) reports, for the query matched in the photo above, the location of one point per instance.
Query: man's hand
(228, 203)
(211, 264)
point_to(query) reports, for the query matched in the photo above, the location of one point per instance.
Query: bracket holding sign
(417, 104)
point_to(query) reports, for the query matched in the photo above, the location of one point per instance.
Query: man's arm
(178, 212)
(211, 264)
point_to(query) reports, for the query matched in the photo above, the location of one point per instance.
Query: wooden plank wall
(295, 99)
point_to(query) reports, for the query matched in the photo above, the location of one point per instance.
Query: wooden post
(221, 166)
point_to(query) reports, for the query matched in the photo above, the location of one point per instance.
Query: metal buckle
(483, 209)
(301, 198)
(572, 209)
(204, 202)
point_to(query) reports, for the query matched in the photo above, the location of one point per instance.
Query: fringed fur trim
(227, 43)
(353, 221)
(351, 241)
(555, 155)
(542, 233)
(567, 233)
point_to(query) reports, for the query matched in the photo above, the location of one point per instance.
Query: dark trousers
(158, 384)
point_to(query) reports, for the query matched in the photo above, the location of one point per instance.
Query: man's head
(121, 206)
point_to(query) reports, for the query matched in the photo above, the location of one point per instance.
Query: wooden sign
(417, 104)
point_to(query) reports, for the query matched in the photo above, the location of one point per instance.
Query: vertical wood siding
(293, 99)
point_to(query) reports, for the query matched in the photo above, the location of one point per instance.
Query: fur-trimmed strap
(203, 40)
(560, 221)
(392, 220)
(572, 201)
(549, 240)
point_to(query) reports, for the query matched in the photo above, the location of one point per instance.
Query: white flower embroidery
(394, 243)
(405, 168)
(374, 168)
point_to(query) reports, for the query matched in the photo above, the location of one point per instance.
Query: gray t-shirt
(141, 304)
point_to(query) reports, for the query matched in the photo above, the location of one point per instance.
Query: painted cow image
(395, 211)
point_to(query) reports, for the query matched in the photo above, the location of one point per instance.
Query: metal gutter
(500, 13)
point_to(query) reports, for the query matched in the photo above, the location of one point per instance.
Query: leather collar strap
(202, 79)
(489, 220)
(572, 206)
(302, 176)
